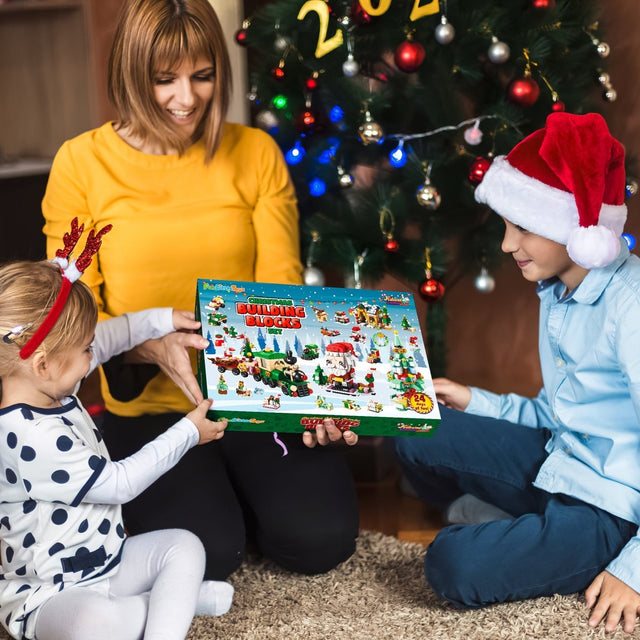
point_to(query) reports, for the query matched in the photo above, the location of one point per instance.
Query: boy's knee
(452, 570)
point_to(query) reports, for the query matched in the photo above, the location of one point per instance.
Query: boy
(564, 464)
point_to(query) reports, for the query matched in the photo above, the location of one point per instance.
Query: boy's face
(540, 258)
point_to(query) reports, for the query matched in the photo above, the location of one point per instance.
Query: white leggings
(152, 596)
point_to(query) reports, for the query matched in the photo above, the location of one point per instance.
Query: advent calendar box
(282, 357)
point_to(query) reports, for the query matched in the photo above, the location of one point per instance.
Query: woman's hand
(171, 354)
(452, 394)
(208, 429)
(184, 320)
(326, 433)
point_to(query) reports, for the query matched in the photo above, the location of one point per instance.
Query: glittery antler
(70, 240)
(94, 241)
(71, 271)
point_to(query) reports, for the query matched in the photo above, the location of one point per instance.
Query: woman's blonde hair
(27, 293)
(158, 34)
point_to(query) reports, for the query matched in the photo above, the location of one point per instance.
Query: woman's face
(184, 94)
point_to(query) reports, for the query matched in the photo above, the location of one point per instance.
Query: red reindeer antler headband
(71, 271)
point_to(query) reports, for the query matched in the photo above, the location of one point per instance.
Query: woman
(191, 196)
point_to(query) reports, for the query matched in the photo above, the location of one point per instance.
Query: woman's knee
(313, 551)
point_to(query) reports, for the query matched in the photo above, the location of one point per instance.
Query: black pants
(300, 509)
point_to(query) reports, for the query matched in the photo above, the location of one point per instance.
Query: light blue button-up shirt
(589, 343)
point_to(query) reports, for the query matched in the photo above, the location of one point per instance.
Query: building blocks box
(282, 357)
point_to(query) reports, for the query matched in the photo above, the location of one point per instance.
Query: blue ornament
(631, 241)
(317, 187)
(336, 114)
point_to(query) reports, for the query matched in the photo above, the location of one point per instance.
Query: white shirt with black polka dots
(50, 538)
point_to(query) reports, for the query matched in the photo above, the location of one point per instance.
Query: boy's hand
(615, 600)
(452, 394)
(326, 433)
(208, 429)
(184, 320)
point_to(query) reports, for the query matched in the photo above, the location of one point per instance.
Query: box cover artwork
(282, 357)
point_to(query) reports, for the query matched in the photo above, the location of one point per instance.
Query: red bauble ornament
(409, 56)
(523, 91)
(478, 168)
(558, 106)
(277, 73)
(543, 4)
(391, 246)
(432, 290)
(241, 37)
(358, 14)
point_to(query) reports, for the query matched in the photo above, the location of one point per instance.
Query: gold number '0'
(322, 9)
(419, 10)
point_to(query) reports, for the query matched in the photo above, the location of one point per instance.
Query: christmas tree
(390, 111)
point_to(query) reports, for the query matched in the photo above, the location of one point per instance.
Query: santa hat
(565, 182)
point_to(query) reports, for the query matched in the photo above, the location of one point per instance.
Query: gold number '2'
(322, 9)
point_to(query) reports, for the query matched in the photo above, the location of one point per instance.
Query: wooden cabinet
(47, 75)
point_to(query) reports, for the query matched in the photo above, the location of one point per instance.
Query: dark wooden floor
(385, 502)
(385, 507)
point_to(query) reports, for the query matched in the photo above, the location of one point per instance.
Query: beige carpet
(380, 594)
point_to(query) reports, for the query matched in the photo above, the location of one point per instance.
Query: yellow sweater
(174, 220)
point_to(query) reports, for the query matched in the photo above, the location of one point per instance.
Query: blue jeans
(553, 544)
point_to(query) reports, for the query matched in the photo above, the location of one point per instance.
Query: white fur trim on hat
(550, 212)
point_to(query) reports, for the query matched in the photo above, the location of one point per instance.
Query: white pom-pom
(592, 247)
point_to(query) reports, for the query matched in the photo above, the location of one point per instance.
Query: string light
(296, 154)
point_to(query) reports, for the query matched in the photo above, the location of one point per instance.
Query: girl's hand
(208, 429)
(452, 394)
(326, 433)
(609, 597)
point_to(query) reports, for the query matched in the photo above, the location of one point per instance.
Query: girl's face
(184, 94)
(71, 368)
(540, 258)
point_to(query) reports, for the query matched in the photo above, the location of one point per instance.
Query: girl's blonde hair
(27, 293)
(154, 35)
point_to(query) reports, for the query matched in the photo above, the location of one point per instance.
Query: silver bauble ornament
(444, 32)
(350, 67)
(631, 188)
(344, 179)
(313, 277)
(610, 94)
(428, 196)
(484, 282)
(603, 49)
(604, 78)
(266, 120)
(498, 52)
(370, 131)
(280, 43)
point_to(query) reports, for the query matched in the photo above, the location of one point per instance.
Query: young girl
(68, 569)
